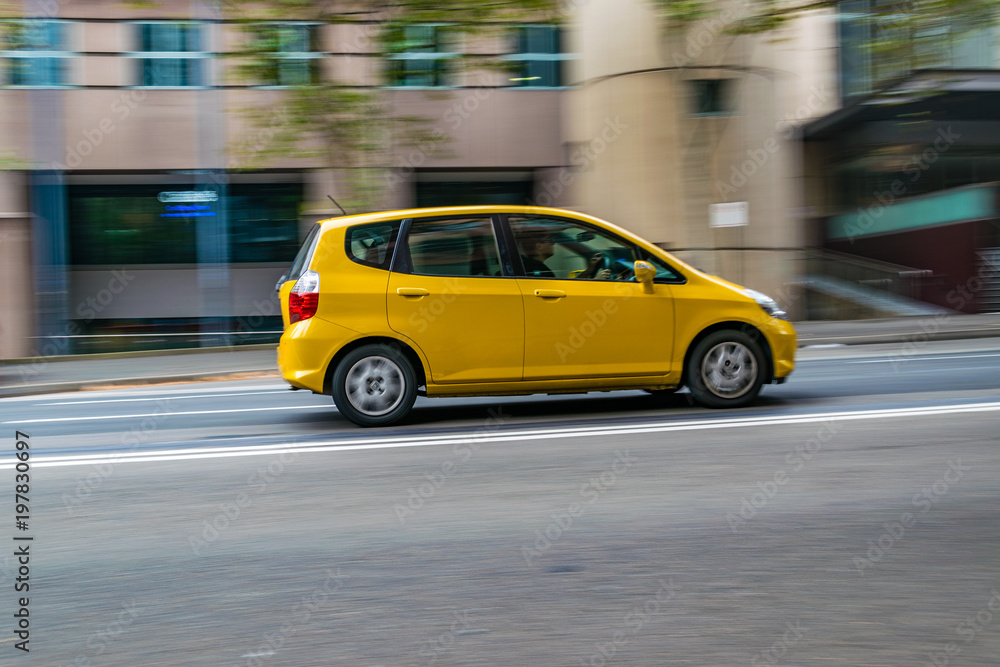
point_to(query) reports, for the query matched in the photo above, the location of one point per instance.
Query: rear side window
(453, 247)
(301, 260)
(372, 244)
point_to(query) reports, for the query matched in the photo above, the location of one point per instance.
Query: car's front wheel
(374, 385)
(726, 370)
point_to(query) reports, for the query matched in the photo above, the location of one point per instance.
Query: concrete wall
(661, 168)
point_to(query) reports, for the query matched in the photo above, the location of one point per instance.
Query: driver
(540, 246)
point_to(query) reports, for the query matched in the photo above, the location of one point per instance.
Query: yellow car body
(506, 334)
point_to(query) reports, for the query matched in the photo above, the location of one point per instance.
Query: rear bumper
(306, 349)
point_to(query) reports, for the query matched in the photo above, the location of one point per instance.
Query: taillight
(303, 300)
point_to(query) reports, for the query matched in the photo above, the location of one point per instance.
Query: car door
(448, 293)
(584, 313)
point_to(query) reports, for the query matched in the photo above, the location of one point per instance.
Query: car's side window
(555, 248)
(453, 247)
(372, 244)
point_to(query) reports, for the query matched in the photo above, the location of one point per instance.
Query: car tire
(726, 370)
(374, 385)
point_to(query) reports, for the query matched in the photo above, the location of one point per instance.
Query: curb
(910, 337)
(79, 385)
(97, 356)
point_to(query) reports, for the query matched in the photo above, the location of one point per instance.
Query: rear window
(301, 260)
(372, 244)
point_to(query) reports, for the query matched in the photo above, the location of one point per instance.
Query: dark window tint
(454, 247)
(372, 244)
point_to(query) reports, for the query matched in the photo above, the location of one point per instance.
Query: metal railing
(904, 281)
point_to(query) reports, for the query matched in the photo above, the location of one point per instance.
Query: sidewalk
(21, 377)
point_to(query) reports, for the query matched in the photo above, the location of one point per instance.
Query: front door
(584, 313)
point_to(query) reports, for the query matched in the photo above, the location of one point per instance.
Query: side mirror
(644, 273)
(281, 281)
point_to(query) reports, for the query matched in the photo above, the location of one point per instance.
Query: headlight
(769, 305)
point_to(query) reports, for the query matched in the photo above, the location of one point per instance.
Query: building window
(420, 56)
(264, 221)
(289, 54)
(36, 55)
(170, 55)
(868, 32)
(538, 61)
(711, 97)
(157, 224)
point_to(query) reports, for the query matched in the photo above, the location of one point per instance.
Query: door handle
(550, 293)
(411, 291)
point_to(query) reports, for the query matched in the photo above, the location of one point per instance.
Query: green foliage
(679, 13)
(903, 34)
(336, 125)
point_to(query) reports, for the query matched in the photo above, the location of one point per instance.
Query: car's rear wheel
(374, 385)
(726, 370)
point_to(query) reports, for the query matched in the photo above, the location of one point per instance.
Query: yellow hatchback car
(504, 300)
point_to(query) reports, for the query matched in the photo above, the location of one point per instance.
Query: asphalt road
(851, 517)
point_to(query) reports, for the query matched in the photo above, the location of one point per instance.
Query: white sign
(736, 214)
(191, 196)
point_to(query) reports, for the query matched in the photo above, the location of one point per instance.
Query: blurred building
(131, 213)
(664, 126)
(902, 177)
(135, 211)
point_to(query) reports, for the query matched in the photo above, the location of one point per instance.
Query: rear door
(449, 294)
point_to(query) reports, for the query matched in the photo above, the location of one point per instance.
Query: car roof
(346, 220)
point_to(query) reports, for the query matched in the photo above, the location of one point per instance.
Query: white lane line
(903, 357)
(179, 397)
(483, 437)
(50, 420)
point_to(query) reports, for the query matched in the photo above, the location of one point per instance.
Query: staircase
(989, 269)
